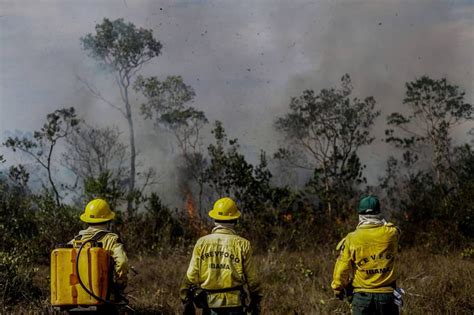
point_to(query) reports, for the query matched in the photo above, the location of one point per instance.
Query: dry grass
(298, 283)
(436, 284)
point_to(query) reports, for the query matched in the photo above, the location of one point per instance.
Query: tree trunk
(131, 183)
(328, 199)
(201, 212)
(50, 178)
(327, 191)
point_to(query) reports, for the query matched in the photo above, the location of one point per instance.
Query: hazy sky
(245, 59)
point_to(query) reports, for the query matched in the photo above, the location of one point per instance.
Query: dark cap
(368, 205)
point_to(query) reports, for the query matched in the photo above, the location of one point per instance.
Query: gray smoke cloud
(245, 60)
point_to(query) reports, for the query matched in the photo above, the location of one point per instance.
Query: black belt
(237, 288)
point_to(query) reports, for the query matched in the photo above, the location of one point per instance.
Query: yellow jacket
(112, 244)
(369, 255)
(222, 260)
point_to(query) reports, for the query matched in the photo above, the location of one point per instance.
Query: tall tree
(167, 106)
(325, 131)
(58, 125)
(435, 107)
(123, 49)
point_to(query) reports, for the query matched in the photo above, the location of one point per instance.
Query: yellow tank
(93, 270)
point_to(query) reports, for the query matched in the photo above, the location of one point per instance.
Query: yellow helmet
(97, 211)
(225, 209)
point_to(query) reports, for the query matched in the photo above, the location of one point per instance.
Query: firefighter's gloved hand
(254, 306)
(339, 294)
(188, 307)
(118, 293)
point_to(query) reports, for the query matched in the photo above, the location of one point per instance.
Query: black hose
(83, 285)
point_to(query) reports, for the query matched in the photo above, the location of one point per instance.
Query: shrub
(16, 278)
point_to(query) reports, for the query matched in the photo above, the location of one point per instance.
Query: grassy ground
(296, 283)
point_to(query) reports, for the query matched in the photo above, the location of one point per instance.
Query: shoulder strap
(97, 236)
(340, 245)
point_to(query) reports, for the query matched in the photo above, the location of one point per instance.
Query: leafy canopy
(167, 101)
(121, 46)
(434, 108)
(324, 132)
(59, 124)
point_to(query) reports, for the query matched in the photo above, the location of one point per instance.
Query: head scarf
(223, 225)
(371, 219)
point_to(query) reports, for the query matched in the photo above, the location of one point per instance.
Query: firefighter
(367, 264)
(97, 214)
(220, 266)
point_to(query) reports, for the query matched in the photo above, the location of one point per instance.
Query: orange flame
(288, 217)
(190, 207)
(193, 216)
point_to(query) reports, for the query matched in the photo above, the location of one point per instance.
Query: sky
(245, 59)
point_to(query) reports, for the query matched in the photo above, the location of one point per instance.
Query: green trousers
(374, 303)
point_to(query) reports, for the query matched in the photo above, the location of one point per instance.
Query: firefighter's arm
(342, 269)
(192, 275)
(253, 282)
(121, 267)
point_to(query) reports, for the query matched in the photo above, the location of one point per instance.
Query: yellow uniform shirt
(222, 260)
(111, 243)
(369, 254)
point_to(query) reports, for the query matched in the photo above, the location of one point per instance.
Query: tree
(123, 49)
(417, 204)
(325, 132)
(2, 160)
(58, 125)
(462, 203)
(105, 186)
(19, 176)
(431, 185)
(166, 104)
(435, 108)
(228, 172)
(97, 154)
(18, 230)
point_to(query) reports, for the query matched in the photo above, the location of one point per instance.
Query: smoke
(244, 59)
